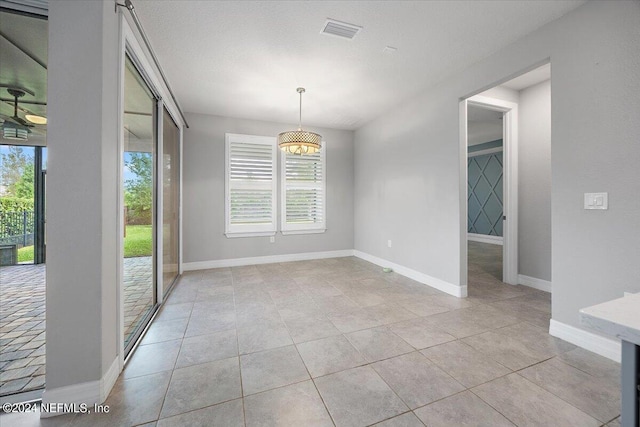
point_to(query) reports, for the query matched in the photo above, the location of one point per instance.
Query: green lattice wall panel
(485, 194)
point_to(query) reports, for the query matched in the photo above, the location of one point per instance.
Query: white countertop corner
(619, 318)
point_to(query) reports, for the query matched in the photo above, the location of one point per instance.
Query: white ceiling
(245, 59)
(484, 125)
(138, 112)
(478, 114)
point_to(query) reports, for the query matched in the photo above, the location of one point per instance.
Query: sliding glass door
(139, 184)
(170, 201)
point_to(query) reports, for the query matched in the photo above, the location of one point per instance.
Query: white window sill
(314, 231)
(250, 234)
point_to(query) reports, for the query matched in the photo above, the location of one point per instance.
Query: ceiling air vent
(340, 29)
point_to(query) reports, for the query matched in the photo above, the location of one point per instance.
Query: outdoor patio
(22, 319)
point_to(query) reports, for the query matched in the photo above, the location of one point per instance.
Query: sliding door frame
(156, 214)
(179, 228)
(131, 47)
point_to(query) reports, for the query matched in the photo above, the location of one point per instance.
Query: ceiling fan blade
(21, 121)
(9, 119)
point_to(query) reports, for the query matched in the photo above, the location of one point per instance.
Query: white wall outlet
(272, 239)
(596, 201)
(389, 243)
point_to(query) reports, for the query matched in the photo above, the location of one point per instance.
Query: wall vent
(340, 29)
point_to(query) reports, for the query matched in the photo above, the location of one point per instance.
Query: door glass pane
(170, 200)
(139, 203)
(17, 199)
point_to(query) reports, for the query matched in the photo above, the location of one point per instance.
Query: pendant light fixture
(299, 141)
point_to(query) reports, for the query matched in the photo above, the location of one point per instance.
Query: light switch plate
(596, 201)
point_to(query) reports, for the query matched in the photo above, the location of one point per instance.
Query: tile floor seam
(615, 418)
(164, 398)
(190, 411)
(410, 411)
(367, 363)
(491, 406)
(511, 371)
(575, 367)
(377, 327)
(388, 385)
(560, 397)
(489, 355)
(433, 401)
(324, 404)
(244, 414)
(440, 399)
(517, 371)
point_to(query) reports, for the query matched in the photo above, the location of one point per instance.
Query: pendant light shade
(300, 141)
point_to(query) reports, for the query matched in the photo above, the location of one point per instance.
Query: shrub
(15, 204)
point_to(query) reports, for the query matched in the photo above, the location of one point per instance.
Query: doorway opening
(506, 168)
(485, 192)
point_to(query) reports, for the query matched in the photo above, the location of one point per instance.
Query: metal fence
(17, 228)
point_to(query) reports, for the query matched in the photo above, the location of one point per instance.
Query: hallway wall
(534, 184)
(407, 162)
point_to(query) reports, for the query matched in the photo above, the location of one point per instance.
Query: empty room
(319, 213)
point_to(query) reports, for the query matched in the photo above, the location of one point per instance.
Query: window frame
(255, 230)
(315, 228)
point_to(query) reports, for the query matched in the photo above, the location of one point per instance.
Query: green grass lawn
(25, 254)
(137, 243)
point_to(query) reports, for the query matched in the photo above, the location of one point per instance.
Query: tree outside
(18, 173)
(138, 198)
(17, 179)
(17, 191)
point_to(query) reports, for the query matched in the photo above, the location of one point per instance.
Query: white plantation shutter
(304, 193)
(251, 185)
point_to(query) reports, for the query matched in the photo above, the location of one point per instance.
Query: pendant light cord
(300, 115)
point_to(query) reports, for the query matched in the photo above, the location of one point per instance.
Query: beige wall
(204, 193)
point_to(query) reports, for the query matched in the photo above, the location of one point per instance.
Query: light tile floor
(339, 342)
(22, 319)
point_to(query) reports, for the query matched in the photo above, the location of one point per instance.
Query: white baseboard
(90, 392)
(607, 347)
(450, 288)
(271, 259)
(483, 238)
(109, 379)
(441, 285)
(532, 282)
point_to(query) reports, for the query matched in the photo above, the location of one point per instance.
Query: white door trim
(510, 165)
(464, 204)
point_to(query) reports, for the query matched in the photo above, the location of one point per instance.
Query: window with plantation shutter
(251, 185)
(303, 193)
